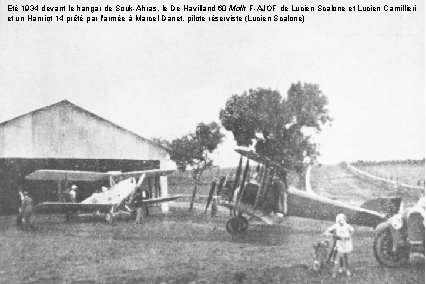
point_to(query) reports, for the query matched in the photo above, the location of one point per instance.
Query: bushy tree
(277, 126)
(193, 150)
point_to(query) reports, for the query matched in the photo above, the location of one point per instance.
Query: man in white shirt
(20, 200)
(73, 193)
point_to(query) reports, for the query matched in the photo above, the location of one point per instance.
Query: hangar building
(64, 136)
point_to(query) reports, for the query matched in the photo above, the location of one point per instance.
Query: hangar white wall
(64, 130)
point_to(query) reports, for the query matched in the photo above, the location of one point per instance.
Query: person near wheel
(136, 200)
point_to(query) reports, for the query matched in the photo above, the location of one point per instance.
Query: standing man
(214, 207)
(282, 185)
(136, 200)
(71, 197)
(26, 210)
(73, 194)
(20, 201)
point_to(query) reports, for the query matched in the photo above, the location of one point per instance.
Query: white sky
(161, 79)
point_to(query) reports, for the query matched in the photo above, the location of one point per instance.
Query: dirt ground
(180, 247)
(191, 247)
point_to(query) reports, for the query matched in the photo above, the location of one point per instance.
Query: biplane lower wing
(147, 173)
(248, 210)
(65, 207)
(159, 200)
(310, 205)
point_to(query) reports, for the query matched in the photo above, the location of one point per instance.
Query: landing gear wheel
(109, 218)
(232, 225)
(244, 223)
(237, 225)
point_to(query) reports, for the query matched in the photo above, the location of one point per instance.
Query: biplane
(112, 201)
(269, 198)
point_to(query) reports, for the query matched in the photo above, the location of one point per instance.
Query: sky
(161, 79)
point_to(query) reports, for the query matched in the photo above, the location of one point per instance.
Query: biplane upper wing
(260, 159)
(70, 175)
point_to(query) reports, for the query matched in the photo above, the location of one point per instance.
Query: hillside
(413, 175)
(332, 181)
(335, 181)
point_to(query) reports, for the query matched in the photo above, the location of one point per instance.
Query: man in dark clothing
(136, 200)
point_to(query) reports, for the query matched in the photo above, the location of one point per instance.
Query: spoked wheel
(382, 247)
(237, 225)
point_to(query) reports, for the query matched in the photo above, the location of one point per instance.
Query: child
(344, 244)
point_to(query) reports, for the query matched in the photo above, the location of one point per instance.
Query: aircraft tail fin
(388, 205)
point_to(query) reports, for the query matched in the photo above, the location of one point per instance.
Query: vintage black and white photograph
(212, 141)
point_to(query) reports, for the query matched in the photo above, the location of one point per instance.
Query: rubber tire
(230, 226)
(244, 223)
(382, 242)
(237, 225)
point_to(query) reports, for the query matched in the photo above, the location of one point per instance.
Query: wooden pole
(194, 193)
(211, 193)
(163, 191)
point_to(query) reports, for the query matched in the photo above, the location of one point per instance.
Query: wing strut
(140, 180)
(262, 186)
(242, 186)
